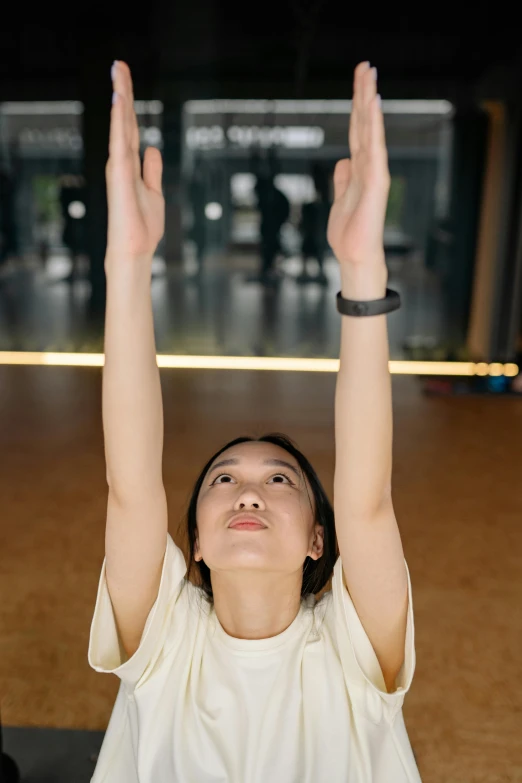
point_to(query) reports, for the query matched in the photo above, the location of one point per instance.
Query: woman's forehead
(257, 454)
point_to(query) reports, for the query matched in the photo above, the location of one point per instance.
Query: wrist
(120, 263)
(364, 283)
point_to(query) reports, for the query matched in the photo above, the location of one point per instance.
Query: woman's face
(279, 495)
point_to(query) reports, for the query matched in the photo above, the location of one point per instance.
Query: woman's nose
(249, 498)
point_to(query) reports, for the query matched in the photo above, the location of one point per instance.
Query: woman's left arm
(367, 531)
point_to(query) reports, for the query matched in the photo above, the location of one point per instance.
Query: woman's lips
(247, 526)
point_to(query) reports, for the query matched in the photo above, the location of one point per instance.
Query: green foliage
(395, 202)
(46, 196)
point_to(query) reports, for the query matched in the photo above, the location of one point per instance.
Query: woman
(248, 678)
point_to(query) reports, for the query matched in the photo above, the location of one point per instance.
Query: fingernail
(114, 97)
(113, 69)
(374, 73)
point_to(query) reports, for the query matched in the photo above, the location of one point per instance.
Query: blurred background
(250, 119)
(250, 107)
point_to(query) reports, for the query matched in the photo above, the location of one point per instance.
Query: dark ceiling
(295, 47)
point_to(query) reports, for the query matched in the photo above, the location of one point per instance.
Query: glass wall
(44, 263)
(255, 274)
(257, 181)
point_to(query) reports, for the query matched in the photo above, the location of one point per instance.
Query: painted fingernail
(374, 73)
(113, 69)
(114, 97)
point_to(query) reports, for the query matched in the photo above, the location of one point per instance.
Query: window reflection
(253, 274)
(43, 209)
(269, 166)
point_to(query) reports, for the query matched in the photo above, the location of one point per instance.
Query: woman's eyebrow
(273, 461)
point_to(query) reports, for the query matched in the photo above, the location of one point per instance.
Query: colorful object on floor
(498, 384)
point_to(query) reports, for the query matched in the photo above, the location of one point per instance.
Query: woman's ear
(317, 548)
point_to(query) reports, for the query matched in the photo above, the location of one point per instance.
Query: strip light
(41, 107)
(68, 107)
(267, 106)
(261, 363)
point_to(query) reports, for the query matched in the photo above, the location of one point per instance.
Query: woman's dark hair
(316, 573)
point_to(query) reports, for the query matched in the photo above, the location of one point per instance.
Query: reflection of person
(274, 208)
(313, 225)
(197, 197)
(8, 232)
(240, 674)
(72, 189)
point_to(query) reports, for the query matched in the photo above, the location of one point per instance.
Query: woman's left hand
(362, 182)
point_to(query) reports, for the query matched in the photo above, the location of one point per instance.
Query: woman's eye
(220, 476)
(282, 474)
(226, 475)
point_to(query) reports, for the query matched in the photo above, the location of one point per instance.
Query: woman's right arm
(136, 529)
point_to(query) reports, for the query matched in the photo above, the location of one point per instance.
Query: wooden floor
(458, 500)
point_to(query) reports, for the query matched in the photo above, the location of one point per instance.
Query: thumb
(341, 177)
(153, 169)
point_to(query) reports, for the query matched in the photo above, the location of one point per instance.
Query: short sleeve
(106, 653)
(360, 664)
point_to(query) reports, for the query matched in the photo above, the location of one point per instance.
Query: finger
(377, 130)
(123, 86)
(353, 140)
(117, 140)
(132, 119)
(119, 87)
(358, 103)
(378, 122)
(369, 91)
(341, 177)
(120, 151)
(153, 169)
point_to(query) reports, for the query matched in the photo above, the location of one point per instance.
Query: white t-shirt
(196, 705)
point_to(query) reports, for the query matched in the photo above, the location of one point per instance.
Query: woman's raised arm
(136, 531)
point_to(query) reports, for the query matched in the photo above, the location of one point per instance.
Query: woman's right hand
(136, 204)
